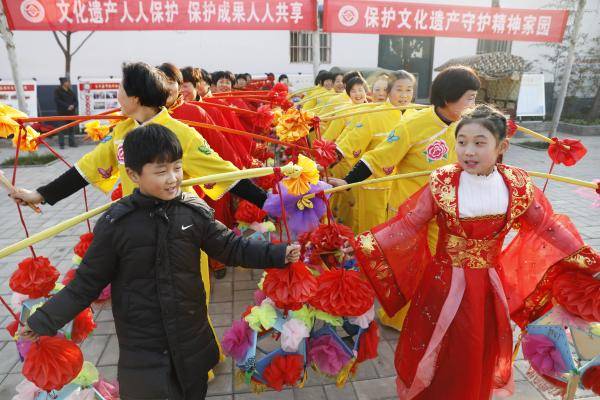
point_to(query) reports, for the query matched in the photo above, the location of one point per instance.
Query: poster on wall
(8, 96)
(532, 96)
(97, 95)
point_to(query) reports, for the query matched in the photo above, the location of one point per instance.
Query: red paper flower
(591, 379)
(13, 326)
(368, 343)
(290, 287)
(326, 153)
(261, 151)
(263, 119)
(280, 87)
(83, 325)
(69, 276)
(343, 293)
(284, 370)
(34, 277)
(84, 243)
(267, 182)
(117, 193)
(566, 151)
(249, 213)
(331, 237)
(511, 128)
(579, 293)
(52, 362)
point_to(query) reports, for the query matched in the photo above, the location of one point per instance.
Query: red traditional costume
(456, 343)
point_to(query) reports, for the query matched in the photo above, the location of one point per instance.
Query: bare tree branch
(82, 42)
(59, 43)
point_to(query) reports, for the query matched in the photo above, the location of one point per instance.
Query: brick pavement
(230, 296)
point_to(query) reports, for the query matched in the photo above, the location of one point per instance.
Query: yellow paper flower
(306, 315)
(8, 126)
(261, 317)
(299, 183)
(96, 131)
(28, 139)
(330, 319)
(293, 125)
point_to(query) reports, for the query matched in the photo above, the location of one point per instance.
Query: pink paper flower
(259, 296)
(109, 390)
(292, 334)
(327, 355)
(543, 355)
(237, 340)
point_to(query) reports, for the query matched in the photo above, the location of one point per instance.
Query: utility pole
(7, 35)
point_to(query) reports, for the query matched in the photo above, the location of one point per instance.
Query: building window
(493, 46)
(301, 47)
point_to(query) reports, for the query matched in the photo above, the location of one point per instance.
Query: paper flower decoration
(292, 334)
(303, 219)
(84, 243)
(117, 193)
(591, 379)
(249, 213)
(343, 292)
(88, 375)
(8, 126)
(13, 326)
(52, 363)
(284, 370)
(26, 391)
(261, 317)
(330, 319)
(28, 140)
(259, 296)
(543, 355)
(327, 355)
(579, 293)
(511, 128)
(293, 125)
(261, 152)
(331, 237)
(368, 343)
(96, 131)
(83, 325)
(237, 340)
(304, 314)
(566, 151)
(34, 277)
(290, 287)
(299, 182)
(325, 152)
(263, 119)
(364, 320)
(108, 390)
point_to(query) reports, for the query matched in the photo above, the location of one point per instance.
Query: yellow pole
(564, 179)
(349, 108)
(300, 91)
(326, 94)
(534, 134)
(63, 226)
(374, 110)
(314, 109)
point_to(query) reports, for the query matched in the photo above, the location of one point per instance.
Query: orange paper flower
(28, 140)
(293, 125)
(299, 182)
(96, 131)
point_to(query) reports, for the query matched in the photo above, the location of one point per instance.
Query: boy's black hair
(205, 76)
(240, 76)
(318, 77)
(451, 84)
(192, 75)
(145, 82)
(223, 75)
(150, 143)
(357, 80)
(248, 76)
(171, 72)
(325, 76)
(282, 77)
(486, 116)
(351, 75)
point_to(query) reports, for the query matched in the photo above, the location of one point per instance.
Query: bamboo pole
(374, 110)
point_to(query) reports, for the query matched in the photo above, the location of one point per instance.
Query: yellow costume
(104, 165)
(315, 97)
(421, 142)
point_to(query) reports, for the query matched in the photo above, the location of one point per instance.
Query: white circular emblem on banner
(33, 11)
(348, 16)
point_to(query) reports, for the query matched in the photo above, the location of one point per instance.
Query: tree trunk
(68, 56)
(595, 111)
(7, 35)
(560, 101)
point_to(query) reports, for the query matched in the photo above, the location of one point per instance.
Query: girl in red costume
(456, 343)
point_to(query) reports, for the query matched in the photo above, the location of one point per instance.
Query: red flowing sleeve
(394, 255)
(546, 245)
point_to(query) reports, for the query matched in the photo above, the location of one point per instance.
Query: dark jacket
(150, 251)
(63, 99)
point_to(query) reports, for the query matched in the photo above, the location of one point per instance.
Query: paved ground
(230, 296)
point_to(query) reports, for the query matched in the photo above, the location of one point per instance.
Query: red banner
(136, 15)
(415, 19)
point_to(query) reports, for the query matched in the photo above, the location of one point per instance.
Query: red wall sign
(137, 15)
(416, 19)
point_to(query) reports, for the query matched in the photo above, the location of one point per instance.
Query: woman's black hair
(282, 77)
(325, 76)
(150, 143)
(357, 80)
(217, 75)
(350, 75)
(171, 72)
(488, 117)
(145, 82)
(318, 77)
(192, 75)
(451, 84)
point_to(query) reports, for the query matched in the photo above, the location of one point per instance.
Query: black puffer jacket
(150, 251)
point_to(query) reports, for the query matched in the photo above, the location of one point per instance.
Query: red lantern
(591, 379)
(325, 152)
(284, 370)
(579, 293)
(85, 241)
(83, 325)
(249, 213)
(343, 293)
(290, 287)
(34, 277)
(566, 151)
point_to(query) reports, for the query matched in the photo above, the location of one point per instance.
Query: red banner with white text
(418, 19)
(137, 15)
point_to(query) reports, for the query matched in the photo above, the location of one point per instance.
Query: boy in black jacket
(148, 246)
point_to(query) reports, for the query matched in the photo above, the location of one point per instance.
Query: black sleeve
(63, 186)
(222, 244)
(95, 272)
(249, 191)
(359, 173)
